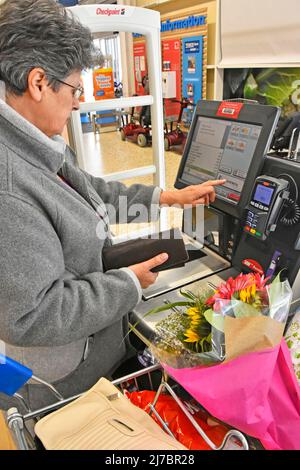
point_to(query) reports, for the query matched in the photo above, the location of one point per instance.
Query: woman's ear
(37, 84)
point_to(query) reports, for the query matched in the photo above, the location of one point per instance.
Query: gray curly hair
(41, 33)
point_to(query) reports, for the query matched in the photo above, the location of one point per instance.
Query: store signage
(140, 66)
(110, 11)
(192, 73)
(192, 46)
(171, 55)
(190, 22)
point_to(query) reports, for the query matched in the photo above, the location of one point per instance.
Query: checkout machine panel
(230, 148)
(270, 242)
(225, 142)
(222, 147)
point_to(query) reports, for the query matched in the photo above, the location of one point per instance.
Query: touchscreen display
(221, 149)
(263, 194)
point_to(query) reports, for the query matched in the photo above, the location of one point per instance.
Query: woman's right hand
(143, 270)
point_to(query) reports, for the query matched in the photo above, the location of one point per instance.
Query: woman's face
(58, 105)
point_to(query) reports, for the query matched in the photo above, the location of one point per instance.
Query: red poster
(140, 66)
(171, 58)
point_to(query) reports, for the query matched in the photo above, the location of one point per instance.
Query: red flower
(260, 281)
(231, 286)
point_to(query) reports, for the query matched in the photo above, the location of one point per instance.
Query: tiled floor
(107, 153)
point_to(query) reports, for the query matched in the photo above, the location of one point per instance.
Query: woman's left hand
(191, 195)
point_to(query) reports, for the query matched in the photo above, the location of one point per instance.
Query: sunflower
(193, 311)
(191, 336)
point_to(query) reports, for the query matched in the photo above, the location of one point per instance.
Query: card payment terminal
(265, 205)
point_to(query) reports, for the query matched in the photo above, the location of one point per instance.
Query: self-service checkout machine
(254, 222)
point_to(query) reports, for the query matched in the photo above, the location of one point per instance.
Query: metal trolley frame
(17, 422)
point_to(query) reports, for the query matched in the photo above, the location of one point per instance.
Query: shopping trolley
(14, 375)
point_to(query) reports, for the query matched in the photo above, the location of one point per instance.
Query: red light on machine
(234, 196)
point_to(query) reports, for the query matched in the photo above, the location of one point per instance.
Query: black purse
(141, 249)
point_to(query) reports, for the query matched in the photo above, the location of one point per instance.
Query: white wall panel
(255, 32)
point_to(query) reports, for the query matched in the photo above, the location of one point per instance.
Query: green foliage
(275, 87)
(178, 323)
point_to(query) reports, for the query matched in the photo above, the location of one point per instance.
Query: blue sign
(192, 72)
(190, 22)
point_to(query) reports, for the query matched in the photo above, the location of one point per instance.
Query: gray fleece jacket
(53, 292)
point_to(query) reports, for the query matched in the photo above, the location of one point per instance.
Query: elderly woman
(60, 314)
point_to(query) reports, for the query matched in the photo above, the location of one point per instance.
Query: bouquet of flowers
(236, 330)
(242, 315)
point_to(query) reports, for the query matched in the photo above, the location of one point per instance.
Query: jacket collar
(28, 141)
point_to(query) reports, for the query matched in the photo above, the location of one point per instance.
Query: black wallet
(141, 249)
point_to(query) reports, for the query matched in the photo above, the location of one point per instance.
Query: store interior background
(105, 152)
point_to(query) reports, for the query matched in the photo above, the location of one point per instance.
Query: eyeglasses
(79, 91)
